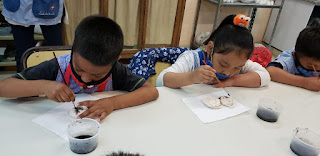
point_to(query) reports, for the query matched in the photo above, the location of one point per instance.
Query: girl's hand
(212, 82)
(97, 109)
(228, 82)
(58, 92)
(204, 74)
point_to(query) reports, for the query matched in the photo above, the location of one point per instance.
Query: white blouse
(186, 63)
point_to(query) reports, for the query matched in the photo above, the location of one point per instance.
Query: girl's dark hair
(229, 37)
(99, 40)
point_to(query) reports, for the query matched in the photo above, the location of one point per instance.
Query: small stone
(211, 102)
(227, 101)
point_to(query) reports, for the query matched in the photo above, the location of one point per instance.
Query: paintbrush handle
(215, 77)
(219, 82)
(59, 68)
(64, 80)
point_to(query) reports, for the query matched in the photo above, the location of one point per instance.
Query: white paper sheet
(57, 119)
(206, 114)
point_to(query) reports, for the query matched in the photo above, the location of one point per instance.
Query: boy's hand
(204, 74)
(312, 83)
(58, 92)
(97, 109)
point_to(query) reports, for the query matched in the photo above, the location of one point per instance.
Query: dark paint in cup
(83, 135)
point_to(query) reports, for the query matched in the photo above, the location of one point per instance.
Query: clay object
(211, 102)
(76, 112)
(227, 101)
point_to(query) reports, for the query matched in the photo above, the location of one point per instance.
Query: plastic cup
(83, 135)
(269, 109)
(305, 142)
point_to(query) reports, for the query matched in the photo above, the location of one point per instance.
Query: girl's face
(227, 64)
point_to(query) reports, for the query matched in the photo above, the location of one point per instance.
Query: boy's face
(228, 64)
(88, 71)
(307, 62)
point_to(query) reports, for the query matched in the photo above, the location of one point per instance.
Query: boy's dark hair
(99, 40)
(228, 37)
(313, 22)
(308, 43)
(120, 153)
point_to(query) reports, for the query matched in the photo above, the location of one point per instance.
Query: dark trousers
(24, 39)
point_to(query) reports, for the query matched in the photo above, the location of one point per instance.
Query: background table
(167, 127)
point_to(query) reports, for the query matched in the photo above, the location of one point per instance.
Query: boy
(295, 66)
(91, 67)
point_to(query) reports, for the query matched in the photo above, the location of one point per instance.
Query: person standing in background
(23, 15)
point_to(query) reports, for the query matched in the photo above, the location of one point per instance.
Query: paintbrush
(218, 80)
(315, 71)
(76, 108)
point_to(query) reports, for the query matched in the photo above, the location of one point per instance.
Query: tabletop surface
(167, 127)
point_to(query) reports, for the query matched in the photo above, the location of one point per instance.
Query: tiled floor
(275, 52)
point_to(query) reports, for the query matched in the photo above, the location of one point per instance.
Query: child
(295, 66)
(91, 67)
(230, 47)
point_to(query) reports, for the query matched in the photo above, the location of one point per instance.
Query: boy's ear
(119, 57)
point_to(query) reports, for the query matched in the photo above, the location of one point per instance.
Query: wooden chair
(147, 62)
(36, 55)
(159, 67)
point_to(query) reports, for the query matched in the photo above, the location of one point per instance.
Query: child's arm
(139, 90)
(250, 79)
(103, 107)
(204, 74)
(182, 73)
(37, 80)
(252, 74)
(281, 76)
(15, 88)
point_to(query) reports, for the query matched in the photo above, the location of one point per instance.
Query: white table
(167, 127)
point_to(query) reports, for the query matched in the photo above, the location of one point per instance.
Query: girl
(229, 47)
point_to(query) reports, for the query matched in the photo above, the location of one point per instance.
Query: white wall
(293, 18)
(206, 20)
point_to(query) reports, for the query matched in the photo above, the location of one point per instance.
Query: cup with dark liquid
(83, 135)
(305, 142)
(268, 109)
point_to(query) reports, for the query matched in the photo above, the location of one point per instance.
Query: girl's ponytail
(231, 34)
